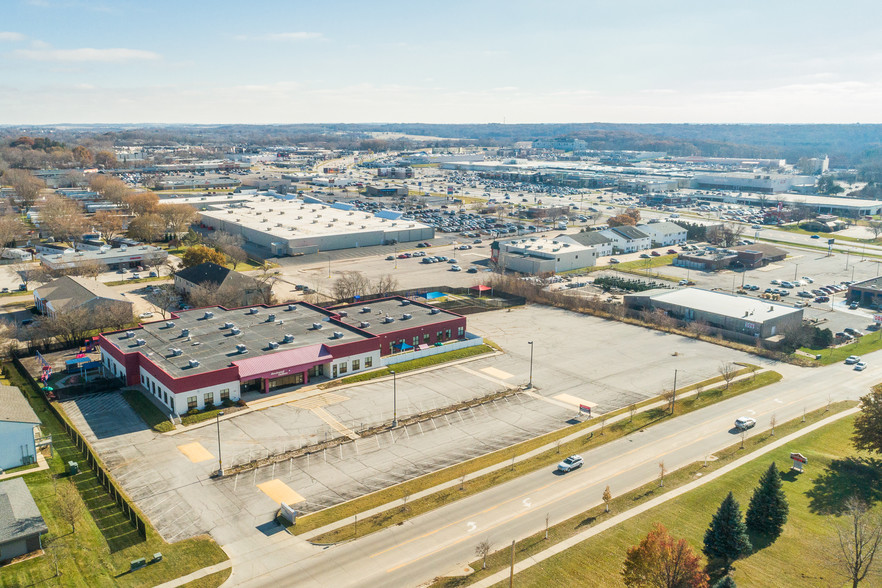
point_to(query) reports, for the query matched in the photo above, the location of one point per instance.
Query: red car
(655, 253)
(402, 256)
(672, 252)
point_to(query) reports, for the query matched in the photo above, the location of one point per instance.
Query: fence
(469, 305)
(470, 341)
(83, 446)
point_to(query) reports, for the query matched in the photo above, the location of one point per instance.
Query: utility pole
(674, 393)
(511, 573)
(530, 343)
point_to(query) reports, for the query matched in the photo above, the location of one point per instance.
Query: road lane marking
(527, 504)
(472, 527)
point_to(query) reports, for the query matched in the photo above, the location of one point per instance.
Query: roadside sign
(830, 241)
(799, 461)
(585, 408)
(877, 318)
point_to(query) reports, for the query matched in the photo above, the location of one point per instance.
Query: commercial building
(297, 226)
(764, 183)
(114, 258)
(739, 317)
(601, 244)
(386, 191)
(867, 293)
(535, 255)
(627, 239)
(216, 277)
(17, 423)
(741, 256)
(21, 523)
(73, 292)
(664, 233)
(207, 356)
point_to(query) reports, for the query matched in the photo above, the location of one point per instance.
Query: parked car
(613, 260)
(569, 464)
(853, 305)
(472, 270)
(390, 258)
(744, 423)
(655, 254)
(455, 268)
(860, 366)
(816, 237)
(672, 252)
(822, 299)
(144, 315)
(644, 256)
(852, 359)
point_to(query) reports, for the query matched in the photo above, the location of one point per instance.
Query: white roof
(543, 245)
(724, 304)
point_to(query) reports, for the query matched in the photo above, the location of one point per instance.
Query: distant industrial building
(114, 258)
(762, 183)
(739, 317)
(399, 173)
(296, 226)
(740, 256)
(837, 205)
(534, 255)
(386, 191)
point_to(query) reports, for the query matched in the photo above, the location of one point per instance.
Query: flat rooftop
(420, 315)
(214, 345)
(723, 304)
(543, 245)
(110, 255)
(296, 219)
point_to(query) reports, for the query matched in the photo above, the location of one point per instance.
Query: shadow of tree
(586, 522)
(852, 476)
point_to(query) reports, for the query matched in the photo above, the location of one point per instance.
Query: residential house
(21, 523)
(250, 290)
(74, 292)
(17, 422)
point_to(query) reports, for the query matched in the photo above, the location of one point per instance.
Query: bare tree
(110, 188)
(876, 228)
(142, 202)
(90, 268)
(210, 294)
(63, 219)
(31, 272)
(482, 550)
(631, 410)
(859, 535)
(385, 284)
(26, 187)
(11, 228)
(668, 396)
(267, 278)
(69, 505)
(147, 227)
(108, 223)
(164, 297)
(236, 255)
(177, 217)
(351, 284)
(662, 470)
(607, 498)
(773, 420)
(727, 370)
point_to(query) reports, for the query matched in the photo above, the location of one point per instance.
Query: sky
(478, 61)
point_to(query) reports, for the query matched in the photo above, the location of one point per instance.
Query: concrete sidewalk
(502, 464)
(41, 465)
(611, 522)
(196, 575)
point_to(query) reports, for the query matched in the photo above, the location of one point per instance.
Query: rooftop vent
(435, 311)
(271, 318)
(273, 345)
(338, 334)
(208, 314)
(364, 324)
(241, 348)
(169, 324)
(344, 313)
(406, 316)
(140, 342)
(185, 332)
(235, 331)
(130, 334)
(253, 310)
(365, 309)
(388, 319)
(316, 326)
(228, 325)
(288, 338)
(175, 351)
(194, 363)
(292, 307)
(405, 302)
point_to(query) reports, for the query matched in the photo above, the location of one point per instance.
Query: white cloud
(293, 36)
(37, 44)
(87, 54)
(11, 36)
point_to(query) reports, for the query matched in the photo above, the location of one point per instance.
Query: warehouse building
(296, 226)
(207, 356)
(534, 255)
(627, 239)
(738, 317)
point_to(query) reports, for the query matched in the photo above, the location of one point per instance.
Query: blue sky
(158, 61)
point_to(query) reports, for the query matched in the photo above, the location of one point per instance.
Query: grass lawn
(21, 468)
(192, 419)
(211, 580)
(866, 344)
(797, 558)
(148, 412)
(638, 267)
(98, 554)
(138, 281)
(414, 364)
(472, 486)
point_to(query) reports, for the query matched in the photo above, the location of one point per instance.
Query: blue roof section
(389, 214)
(313, 200)
(342, 206)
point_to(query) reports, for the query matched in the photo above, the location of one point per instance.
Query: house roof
(664, 227)
(215, 274)
(766, 249)
(72, 291)
(19, 515)
(629, 232)
(14, 407)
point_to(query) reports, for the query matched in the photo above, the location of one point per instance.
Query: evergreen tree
(726, 538)
(725, 582)
(767, 511)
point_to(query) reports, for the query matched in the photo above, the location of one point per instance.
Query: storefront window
(225, 394)
(209, 398)
(368, 361)
(356, 365)
(191, 402)
(460, 332)
(343, 367)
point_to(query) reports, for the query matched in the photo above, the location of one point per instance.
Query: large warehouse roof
(296, 219)
(723, 304)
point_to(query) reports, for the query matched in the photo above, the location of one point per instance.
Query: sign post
(799, 461)
(585, 408)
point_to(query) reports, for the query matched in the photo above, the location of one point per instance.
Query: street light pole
(220, 460)
(795, 271)
(674, 392)
(530, 343)
(394, 401)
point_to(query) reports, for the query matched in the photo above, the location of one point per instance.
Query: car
(144, 315)
(816, 237)
(853, 332)
(613, 260)
(402, 256)
(683, 283)
(860, 366)
(451, 260)
(154, 275)
(571, 463)
(852, 359)
(672, 252)
(744, 423)
(390, 258)
(135, 277)
(776, 283)
(455, 268)
(472, 270)
(853, 306)
(655, 254)
(477, 242)
(644, 256)
(805, 294)
(808, 279)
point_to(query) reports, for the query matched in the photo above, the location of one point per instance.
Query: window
(368, 361)
(209, 398)
(225, 394)
(460, 332)
(447, 333)
(416, 341)
(438, 335)
(426, 337)
(343, 367)
(191, 402)
(356, 365)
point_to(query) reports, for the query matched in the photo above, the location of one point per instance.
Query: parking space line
(548, 400)
(334, 423)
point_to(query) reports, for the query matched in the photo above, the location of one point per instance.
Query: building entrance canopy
(283, 363)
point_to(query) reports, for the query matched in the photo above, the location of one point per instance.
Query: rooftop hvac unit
(316, 326)
(169, 324)
(130, 334)
(292, 307)
(288, 338)
(435, 311)
(194, 363)
(241, 348)
(278, 224)
(253, 310)
(185, 332)
(344, 313)
(364, 324)
(264, 220)
(314, 221)
(273, 345)
(228, 325)
(365, 309)
(140, 342)
(235, 331)
(208, 314)
(176, 351)
(338, 335)
(405, 302)
(406, 316)
(388, 319)
(271, 318)
(363, 226)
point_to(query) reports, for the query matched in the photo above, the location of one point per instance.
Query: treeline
(629, 284)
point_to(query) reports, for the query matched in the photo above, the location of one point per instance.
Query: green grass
(211, 580)
(637, 267)
(534, 544)
(824, 235)
(192, 419)
(414, 364)
(865, 344)
(21, 468)
(797, 558)
(430, 502)
(148, 411)
(98, 554)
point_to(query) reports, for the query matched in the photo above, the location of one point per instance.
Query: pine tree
(767, 511)
(726, 537)
(725, 582)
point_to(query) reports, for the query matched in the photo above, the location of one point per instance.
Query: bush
(193, 411)
(227, 403)
(240, 402)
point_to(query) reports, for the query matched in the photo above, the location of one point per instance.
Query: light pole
(394, 400)
(530, 343)
(220, 461)
(674, 392)
(329, 266)
(795, 271)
